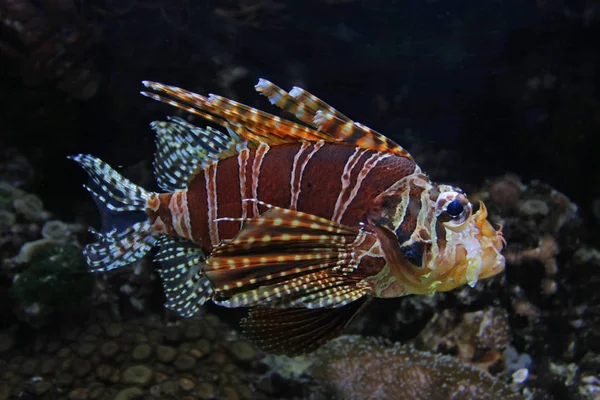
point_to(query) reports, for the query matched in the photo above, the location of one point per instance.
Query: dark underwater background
(499, 97)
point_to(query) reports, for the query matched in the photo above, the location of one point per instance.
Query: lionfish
(303, 222)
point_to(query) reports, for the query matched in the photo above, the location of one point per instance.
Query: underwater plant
(55, 280)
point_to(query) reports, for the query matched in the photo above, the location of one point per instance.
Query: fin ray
(296, 331)
(257, 126)
(114, 195)
(185, 286)
(183, 149)
(286, 258)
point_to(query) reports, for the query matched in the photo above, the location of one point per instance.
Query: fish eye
(455, 208)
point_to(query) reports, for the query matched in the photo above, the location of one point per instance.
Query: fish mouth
(491, 242)
(477, 253)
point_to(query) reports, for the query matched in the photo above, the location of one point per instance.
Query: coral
(476, 337)
(358, 368)
(30, 207)
(55, 278)
(56, 231)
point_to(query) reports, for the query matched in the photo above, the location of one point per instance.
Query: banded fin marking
(203, 107)
(358, 134)
(285, 258)
(296, 331)
(185, 286)
(182, 149)
(116, 196)
(260, 127)
(315, 112)
(298, 101)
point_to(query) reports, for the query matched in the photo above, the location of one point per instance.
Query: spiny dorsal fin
(296, 331)
(256, 126)
(309, 109)
(298, 101)
(253, 125)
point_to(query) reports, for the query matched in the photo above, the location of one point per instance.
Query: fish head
(433, 239)
(468, 248)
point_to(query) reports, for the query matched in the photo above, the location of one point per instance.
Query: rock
(114, 330)
(49, 366)
(5, 391)
(40, 343)
(211, 319)
(129, 394)
(29, 367)
(155, 337)
(63, 353)
(81, 367)
(41, 387)
(86, 349)
(210, 333)
(166, 354)
(220, 358)
(184, 362)
(70, 333)
(205, 390)
(203, 345)
(53, 346)
(138, 375)
(173, 333)
(64, 380)
(169, 388)
(78, 394)
(96, 391)
(186, 384)
(142, 352)
(244, 392)
(94, 329)
(104, 372)
(242, 350)
(230, 393)
(109, 349)
(193, 331)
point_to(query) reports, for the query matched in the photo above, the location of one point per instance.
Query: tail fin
(126, 234)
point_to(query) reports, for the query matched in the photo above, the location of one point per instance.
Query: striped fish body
(334, 181)
(301, 222)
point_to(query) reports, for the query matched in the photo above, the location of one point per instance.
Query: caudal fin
(126, 234)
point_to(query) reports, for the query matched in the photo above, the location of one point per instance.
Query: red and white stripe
(180, 216)
(210, 176)
(259, 156)
(350, 187)
(242, 164)
(296, 179)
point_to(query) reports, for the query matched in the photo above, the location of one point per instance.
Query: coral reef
(355, 367)
(478, 337)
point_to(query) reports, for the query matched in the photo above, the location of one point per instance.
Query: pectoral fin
(295, 331)
(285, 258)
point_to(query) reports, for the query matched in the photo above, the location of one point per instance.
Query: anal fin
(185, 285)
(295, 331)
